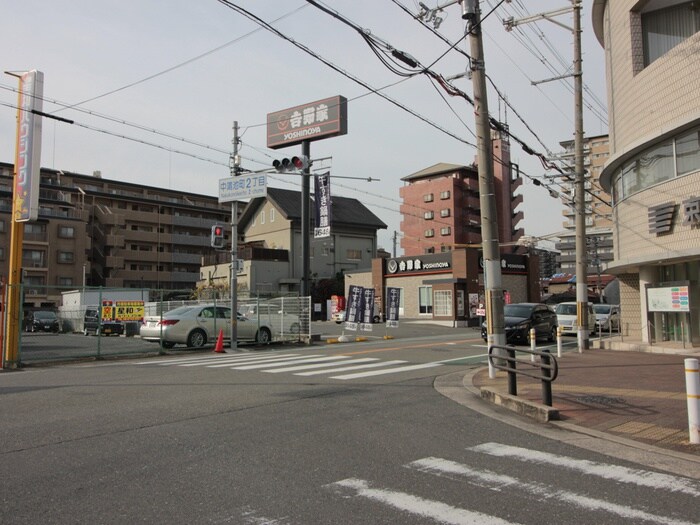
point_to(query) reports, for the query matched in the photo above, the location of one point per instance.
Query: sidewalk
(635, 395)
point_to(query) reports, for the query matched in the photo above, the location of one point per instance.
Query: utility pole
(305, 220)
(493, 286)
(579, 181)
(235, 171)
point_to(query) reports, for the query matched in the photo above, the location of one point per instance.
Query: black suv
(520, 317)
(92, 325)
(42, 321)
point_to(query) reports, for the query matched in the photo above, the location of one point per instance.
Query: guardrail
(547, 367)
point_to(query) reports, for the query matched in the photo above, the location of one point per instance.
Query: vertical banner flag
(393, 300)
(26, 183)
(322, 203)
(354, 307)
(367, 309)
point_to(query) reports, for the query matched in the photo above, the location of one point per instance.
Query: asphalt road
(277, 436)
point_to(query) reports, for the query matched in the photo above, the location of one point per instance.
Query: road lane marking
(354, 367)
(387, 371)
(434, 510)
(542, 492)
(632, 476)
(318, 365)
(277, 362)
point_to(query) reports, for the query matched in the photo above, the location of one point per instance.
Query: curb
(459, 388)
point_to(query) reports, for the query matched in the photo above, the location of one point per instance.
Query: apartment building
(653, 173)
(599, 237)
(94, 231)
(441, 211)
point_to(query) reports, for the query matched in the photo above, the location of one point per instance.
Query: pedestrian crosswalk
(628, 502)
(340, 367)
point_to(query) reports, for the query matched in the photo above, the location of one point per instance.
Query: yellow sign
(129, 311)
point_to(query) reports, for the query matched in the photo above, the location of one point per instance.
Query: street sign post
(242, 187)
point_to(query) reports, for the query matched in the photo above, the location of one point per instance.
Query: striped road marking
(554, 498)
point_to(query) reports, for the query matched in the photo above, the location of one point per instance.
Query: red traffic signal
(299, 162)
(217, 237)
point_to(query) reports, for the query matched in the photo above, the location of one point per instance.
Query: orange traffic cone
(219, 348)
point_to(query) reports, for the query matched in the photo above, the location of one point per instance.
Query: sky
(154, 87)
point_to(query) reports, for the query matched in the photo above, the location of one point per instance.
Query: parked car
(42, 321)
(196, 325)
(607, 317)
(520, 317)
(92, 324)
(567, 318)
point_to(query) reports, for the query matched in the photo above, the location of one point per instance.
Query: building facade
(441, 211)
(98, 232)
(599, 237)
(652, 52)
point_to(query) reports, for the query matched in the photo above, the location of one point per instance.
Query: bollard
(533, 343)
(559, 342)
(692, 387)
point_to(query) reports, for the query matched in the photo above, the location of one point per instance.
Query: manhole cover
(601, 400)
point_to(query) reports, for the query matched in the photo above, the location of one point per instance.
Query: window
(262, 217)
(428, 197)
(687, 153)
(445, 212)
(429, 233)
(445, 195)
(2, 253)
(428, 215)
(65, 257)
(2, 226)
(663, 29)
(443, 303)
(354, 255)
(67, 232)
(272, 215)
(445, 231)
(425, 299)
(65, 281)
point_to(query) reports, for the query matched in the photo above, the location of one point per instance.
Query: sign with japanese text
(675, 298)
(322, 205)
(25, 206)
(129, 311)
(353, 310)
(242, 187)
(393, 302)
(367, 309)
(313, 121)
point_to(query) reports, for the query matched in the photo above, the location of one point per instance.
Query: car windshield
(517, 310)
(566, 309)
(45, 316)
(601, 308)
(180, 310)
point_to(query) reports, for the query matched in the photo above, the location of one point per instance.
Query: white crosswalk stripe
(558, 500)
(305, 365)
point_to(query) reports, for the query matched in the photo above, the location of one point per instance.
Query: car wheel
(196, 339)
(552, 334)
(339, 322)
(376, 319)
(263, 336)
(167, 344)
(294, 329)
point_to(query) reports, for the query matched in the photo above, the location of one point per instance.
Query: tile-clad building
(102, 232)
(441, 210)
(653, 174)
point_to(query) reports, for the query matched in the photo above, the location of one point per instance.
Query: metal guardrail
(547, 367)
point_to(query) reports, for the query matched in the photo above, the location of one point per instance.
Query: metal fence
(122, 311)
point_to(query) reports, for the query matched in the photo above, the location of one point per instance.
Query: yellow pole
(14, 305)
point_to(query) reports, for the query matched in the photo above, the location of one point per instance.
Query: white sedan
(197, 325)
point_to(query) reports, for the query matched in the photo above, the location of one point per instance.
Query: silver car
(197, 325)
(607, 317)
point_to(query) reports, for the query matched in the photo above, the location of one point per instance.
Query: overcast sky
(188, 69)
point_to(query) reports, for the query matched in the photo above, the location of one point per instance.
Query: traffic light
(299, 162)
(217, 237)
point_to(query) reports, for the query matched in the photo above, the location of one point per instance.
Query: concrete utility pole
(493, 286)
(305, 220)
(235, 171)
(579, 182)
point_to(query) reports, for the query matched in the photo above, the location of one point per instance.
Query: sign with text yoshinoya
(434, 263)
(313, 121)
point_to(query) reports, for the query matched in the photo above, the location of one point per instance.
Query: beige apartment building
(652, 61)
(94, 231)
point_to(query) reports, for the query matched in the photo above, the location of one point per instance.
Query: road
(253, 438)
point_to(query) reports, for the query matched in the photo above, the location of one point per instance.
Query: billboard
(322, 206)
(25, 205)
(313, 121)
(665, 298)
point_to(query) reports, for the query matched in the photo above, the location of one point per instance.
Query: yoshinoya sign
(313, 121)
(420, 264)
(510, 263)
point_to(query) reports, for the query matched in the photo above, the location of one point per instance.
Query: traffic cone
(219, 348)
